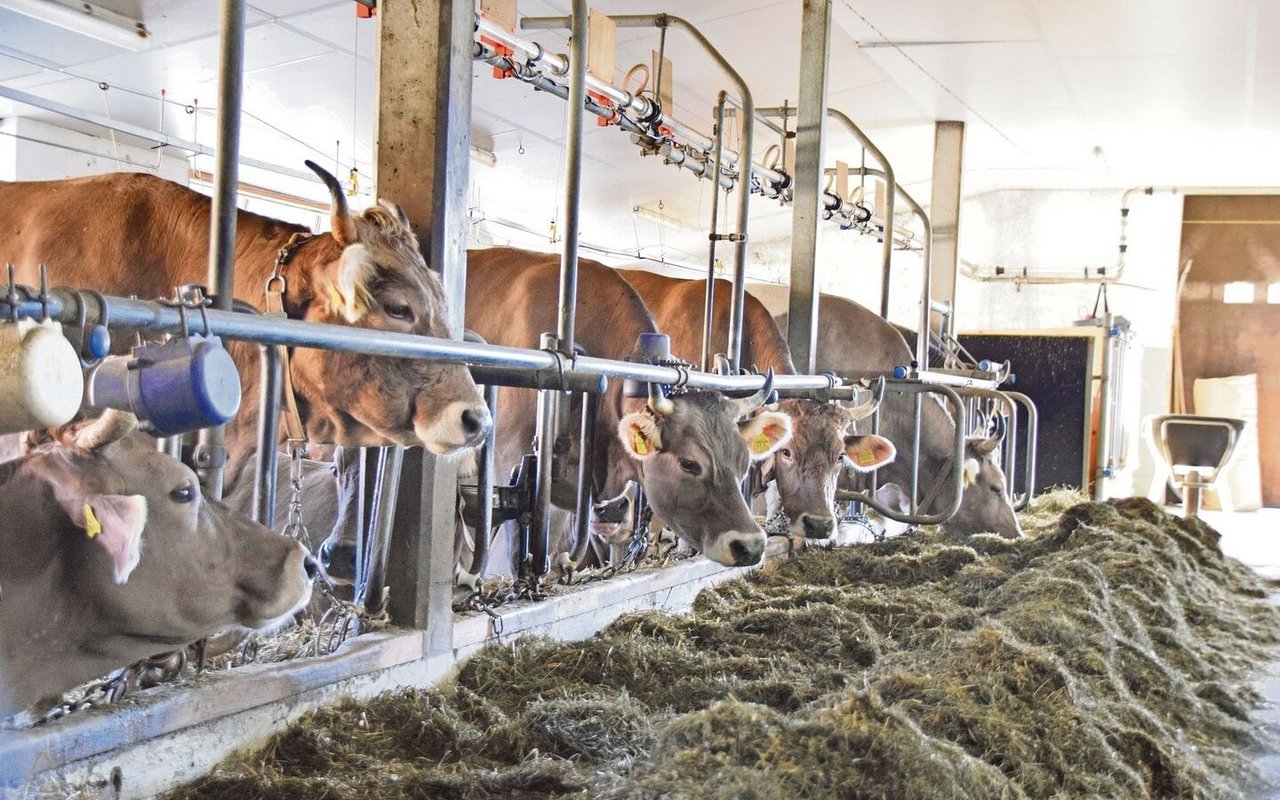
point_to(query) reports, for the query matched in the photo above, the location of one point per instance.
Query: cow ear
(640, 435)
(345, 290)
(869, 452)
(765, 433)
(115, 521)
(971, 469)
(398, 212)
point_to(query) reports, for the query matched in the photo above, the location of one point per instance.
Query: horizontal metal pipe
(559, 64)
(151, 316)
(641, 105)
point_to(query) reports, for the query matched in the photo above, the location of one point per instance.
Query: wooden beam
(422, 144)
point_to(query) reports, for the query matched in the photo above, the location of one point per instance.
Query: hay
(1107, 655)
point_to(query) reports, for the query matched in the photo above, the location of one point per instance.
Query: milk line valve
(187, 383)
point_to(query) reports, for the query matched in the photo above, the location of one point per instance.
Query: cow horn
(112, 426)
(746, 405)
(342, 225)
(659, 402)
(984, 447)
(868, 407)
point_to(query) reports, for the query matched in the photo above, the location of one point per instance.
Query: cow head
(807, 468)
(693, 452)
(984, 507)
(373, 276)
(133, 560)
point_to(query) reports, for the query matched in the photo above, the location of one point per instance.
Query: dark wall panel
(1053, 372)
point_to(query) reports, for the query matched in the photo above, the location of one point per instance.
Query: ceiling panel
(1106, 28)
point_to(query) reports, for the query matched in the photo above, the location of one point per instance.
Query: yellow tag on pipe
(92, 527)
(760, 443)
(640, 443)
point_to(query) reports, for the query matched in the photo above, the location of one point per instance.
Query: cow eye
(785, 452)
(398, 311)
(690, 466)
(183, 494)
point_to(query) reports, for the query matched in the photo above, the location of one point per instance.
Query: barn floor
(1254, 538)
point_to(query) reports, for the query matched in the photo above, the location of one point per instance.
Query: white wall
(1030, 227)
(32, 150)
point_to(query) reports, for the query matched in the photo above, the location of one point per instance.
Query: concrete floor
(1254, 538)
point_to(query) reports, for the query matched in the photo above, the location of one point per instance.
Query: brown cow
(805, 471)
(689, 458)
(112, 555)
(133, 233)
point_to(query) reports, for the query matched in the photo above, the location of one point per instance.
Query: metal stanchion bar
(153, 317)
(485, 468)
(210, 452)
(708, 307)
(957, 460)
(1029, 459)
(383, 513)
(264, 479)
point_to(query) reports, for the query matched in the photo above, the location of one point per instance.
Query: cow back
(677, 306)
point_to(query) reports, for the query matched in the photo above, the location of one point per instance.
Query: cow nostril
(312, 567)
(818, 527)
(475, 422)
(739, 551)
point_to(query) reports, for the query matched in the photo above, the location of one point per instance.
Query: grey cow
(111, 555)
(853, 339)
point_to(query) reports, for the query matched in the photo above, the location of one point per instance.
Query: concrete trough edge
(173, 734)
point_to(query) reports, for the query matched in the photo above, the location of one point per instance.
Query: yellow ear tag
(760, 444)
(92, 527)
(640, 443)
(865, 454)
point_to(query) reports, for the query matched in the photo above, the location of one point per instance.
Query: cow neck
(48, 612)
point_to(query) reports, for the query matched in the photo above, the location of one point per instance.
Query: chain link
(296, 529)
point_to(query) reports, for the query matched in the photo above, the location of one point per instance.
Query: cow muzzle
(737, 548)
(813, 526)
(460, 425)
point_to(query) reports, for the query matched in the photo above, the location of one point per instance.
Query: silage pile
(1106, 655)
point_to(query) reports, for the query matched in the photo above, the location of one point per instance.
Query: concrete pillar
(421, 146)
(944, 210)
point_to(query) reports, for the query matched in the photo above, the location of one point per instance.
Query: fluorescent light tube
(86, 19)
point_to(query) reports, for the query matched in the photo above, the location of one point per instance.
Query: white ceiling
(1077, 94)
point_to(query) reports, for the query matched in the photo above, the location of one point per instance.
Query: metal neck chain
(296, 529)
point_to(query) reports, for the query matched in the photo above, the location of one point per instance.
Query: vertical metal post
(708, 308)
(422, 144)
(582, 522)
(485, 468)
(917, 400)
(811, 106)
(948, 167)
(575, 111)
(264, 479)
(536, 556)
(1104, 467)
(386, 490)
(210, 451)
(890, 205)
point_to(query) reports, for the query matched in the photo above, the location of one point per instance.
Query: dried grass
(1106, 655)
